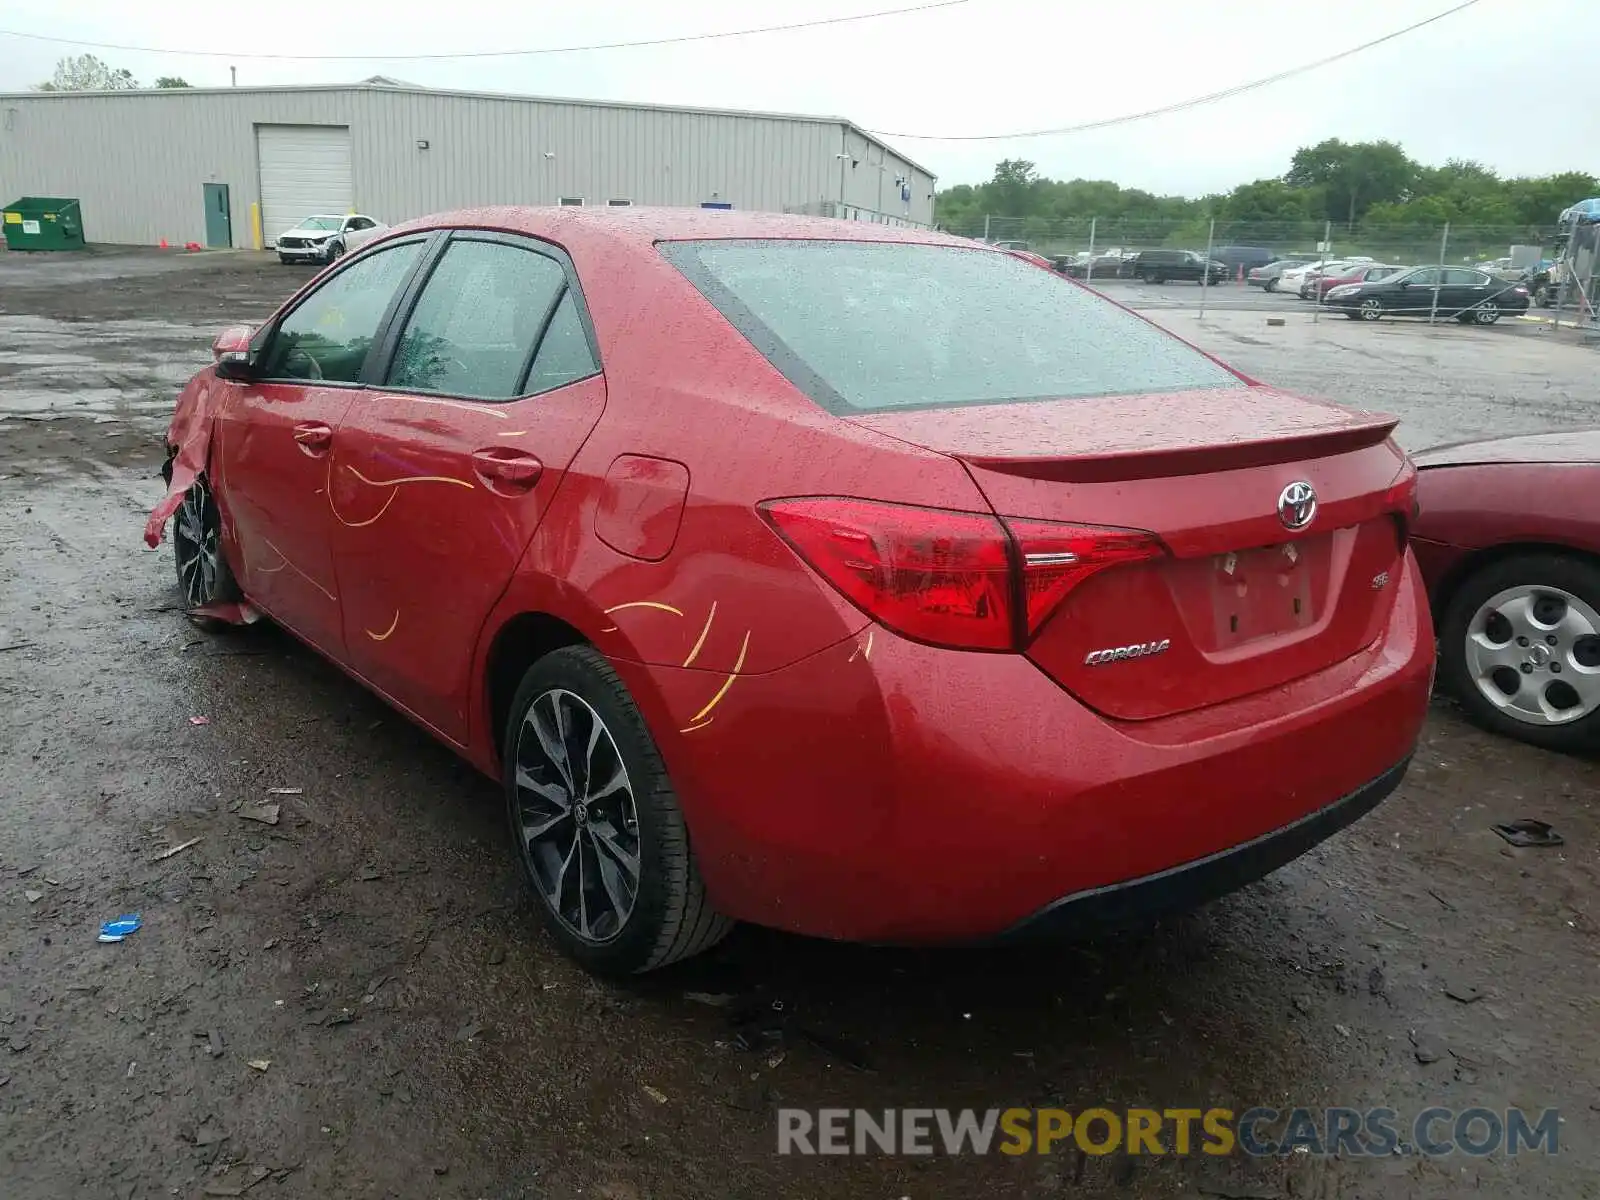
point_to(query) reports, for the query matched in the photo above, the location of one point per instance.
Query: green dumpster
(43, 223)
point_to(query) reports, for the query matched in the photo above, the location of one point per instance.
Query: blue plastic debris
(115, 931)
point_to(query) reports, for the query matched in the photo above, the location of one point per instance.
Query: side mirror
(1404, 282)
(231, 349)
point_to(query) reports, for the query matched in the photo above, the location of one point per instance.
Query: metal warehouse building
(206, 164)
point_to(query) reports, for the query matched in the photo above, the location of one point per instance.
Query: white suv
(324, 239)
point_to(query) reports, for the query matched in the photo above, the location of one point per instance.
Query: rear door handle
(313, 437)
(506, 470)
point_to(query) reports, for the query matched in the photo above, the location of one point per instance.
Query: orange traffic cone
(1241, 274)
(191, 246)
(163, 243)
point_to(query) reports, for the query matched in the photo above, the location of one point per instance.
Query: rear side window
(474, 326)
(564, 355)
(866, 326)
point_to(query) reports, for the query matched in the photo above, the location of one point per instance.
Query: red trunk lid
(1242, 602)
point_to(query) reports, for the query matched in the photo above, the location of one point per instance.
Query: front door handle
(313, 437)
(506, 470)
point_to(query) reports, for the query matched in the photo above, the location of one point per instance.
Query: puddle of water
(116, 369)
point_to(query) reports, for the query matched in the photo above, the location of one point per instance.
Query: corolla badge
(1297, 504)
(1113, 654)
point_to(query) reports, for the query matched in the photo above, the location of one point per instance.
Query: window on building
(572, 202)
(619, 203)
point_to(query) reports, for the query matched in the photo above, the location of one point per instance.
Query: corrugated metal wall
(871, 175)
(138, 161)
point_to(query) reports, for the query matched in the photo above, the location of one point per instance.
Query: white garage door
(305, 169)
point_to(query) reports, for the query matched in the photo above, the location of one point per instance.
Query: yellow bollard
(255, 224)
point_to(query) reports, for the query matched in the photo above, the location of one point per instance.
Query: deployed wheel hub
(1534, 653)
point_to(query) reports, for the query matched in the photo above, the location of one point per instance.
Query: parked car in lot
(323, 239)
(1323, 283)
(1509, 542)
(1294, 279)
(1159, 266)
(1037, 260)
(1465, 293)
(859, 581)
(1109, 264)
(1314, 275)
(1267, 277)
(1243, 259)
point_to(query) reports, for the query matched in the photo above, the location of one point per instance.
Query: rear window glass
(865, 326)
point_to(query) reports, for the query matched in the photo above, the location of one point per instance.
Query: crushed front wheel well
(521, 642)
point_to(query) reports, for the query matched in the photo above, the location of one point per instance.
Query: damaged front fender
(189, 447)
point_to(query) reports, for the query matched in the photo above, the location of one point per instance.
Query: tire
(1486, 313)
(1370, 309)
(335, 252)
(667, 916)
(1158, 279)
(202, 568)
(1481, 655)
(1270, 285)
(283, 259)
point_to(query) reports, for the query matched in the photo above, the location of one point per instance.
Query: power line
(661, 41)
(1180, 106)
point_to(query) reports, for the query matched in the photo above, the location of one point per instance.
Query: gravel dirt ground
(356, 1000)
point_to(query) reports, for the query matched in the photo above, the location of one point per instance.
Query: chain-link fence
(1403, 245)
(1555, 265)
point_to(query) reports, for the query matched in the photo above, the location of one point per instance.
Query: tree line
(86, 73)
(1350, 184)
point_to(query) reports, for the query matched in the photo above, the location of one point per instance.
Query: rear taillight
(1401, 500)
(1056, 558)
(960, 579)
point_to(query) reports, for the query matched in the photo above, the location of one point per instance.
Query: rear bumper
(1194, 883)
(885, 791)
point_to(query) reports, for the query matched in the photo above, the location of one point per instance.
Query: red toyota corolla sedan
(1509, 544)
(858, 581)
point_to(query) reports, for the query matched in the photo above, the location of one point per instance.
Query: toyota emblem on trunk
(1297, 504)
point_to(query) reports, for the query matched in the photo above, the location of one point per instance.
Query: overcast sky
(1487, 83)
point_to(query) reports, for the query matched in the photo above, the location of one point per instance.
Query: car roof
(642, 226)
